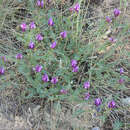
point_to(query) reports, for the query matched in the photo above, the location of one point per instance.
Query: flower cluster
(98, 101)
(39, 37)
(112, 104)
(76, 8)
(109, 20)
(54, 80)
(19, 56)
(112, 40)
(63, 34)
(38, 68)
(23, 26)
(63, 91)
(74, 66)
(2, 70)
(53, 45)
(50, 22)
(121, 71)
(74, 63)
(45, 78)
(86, 86)
(121, 80)
(116, 13)
(40, 3)
(31, 45)
(32, 25)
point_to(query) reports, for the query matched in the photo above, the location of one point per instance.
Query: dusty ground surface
(17, 116)
(55, 116)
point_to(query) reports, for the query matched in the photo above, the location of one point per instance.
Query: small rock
(36, 109)
(126, 101)
(96, 128)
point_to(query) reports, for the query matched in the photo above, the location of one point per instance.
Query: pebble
(96, 128)
(126, 101)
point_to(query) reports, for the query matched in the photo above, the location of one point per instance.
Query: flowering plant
(60, 59)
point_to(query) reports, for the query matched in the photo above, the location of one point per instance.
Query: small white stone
(96, 128)
(126, 100)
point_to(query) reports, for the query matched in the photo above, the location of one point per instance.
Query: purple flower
(75, 69)
(54, 80)
(77, 7)
(32, 25)
(45, 78)
(42, 4)
(108, 19)
(121, 81)
(63, 91)
(39, 37)
(53, 45)
(73, 63)
(121, 71)
(2, 70)
(50, 22)
(71, 9)
(38, 68)
(19, 56)
(112, 104)
(23, 26)
(112, 40)
(87, 95)
(3, 58)
(98, 101)
(31, 45)
(38, 3)
(116, 12)
(63, 34)
(86, 85)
